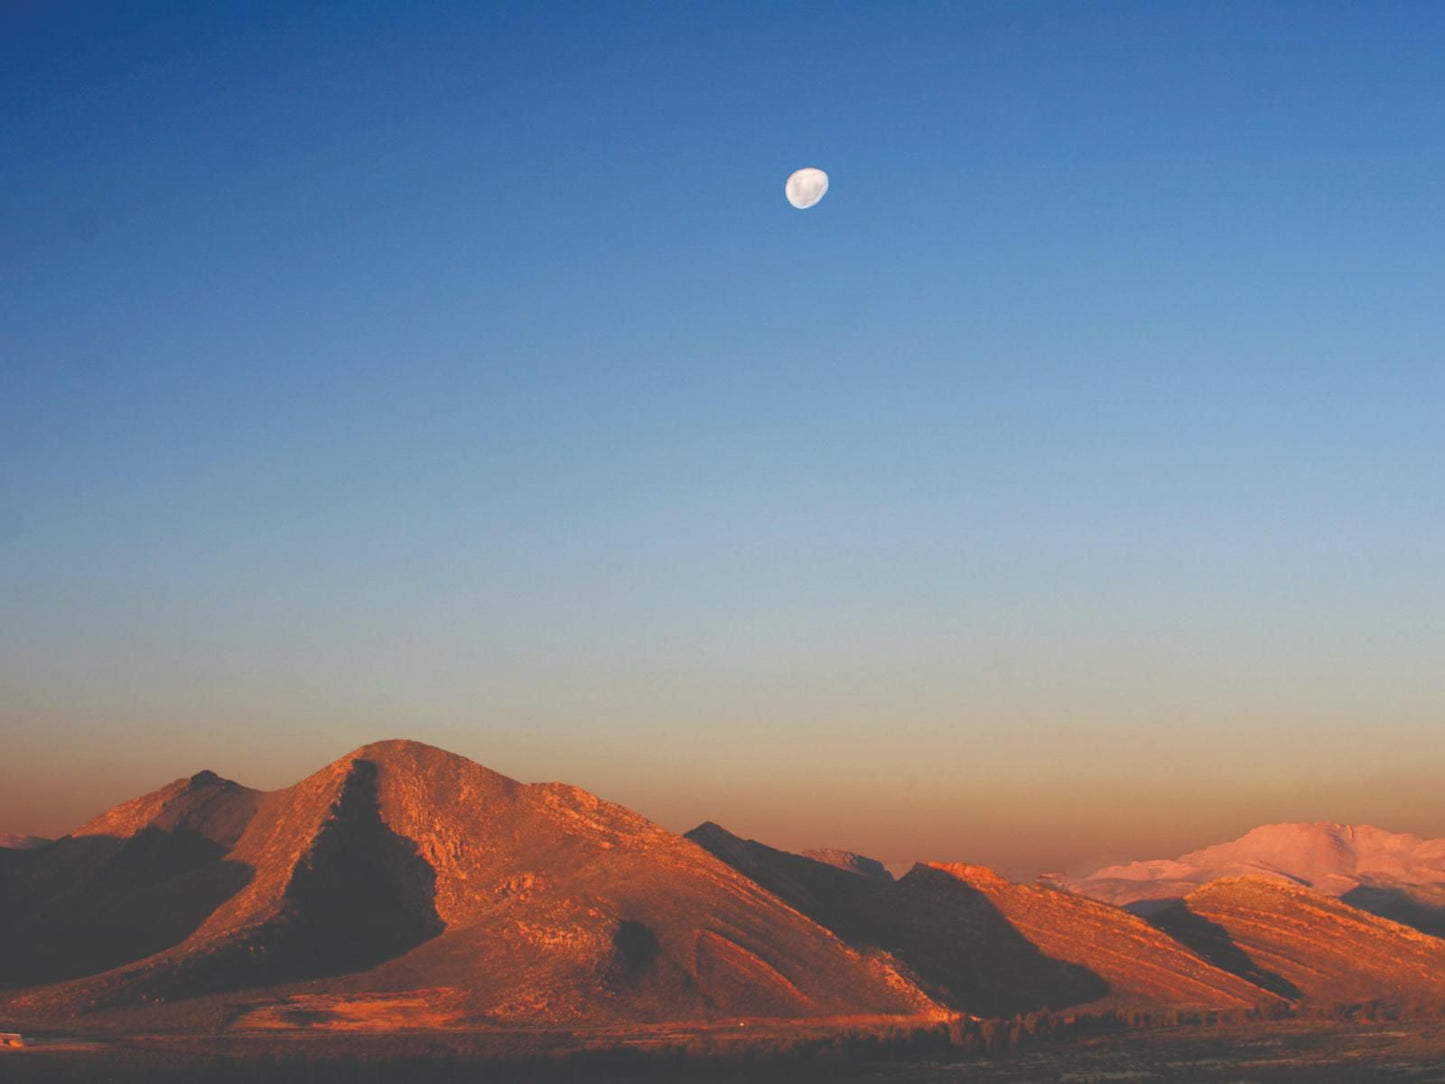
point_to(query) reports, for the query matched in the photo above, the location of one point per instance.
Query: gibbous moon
(806, 187)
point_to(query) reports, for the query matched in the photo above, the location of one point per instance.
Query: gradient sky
(1066, 486)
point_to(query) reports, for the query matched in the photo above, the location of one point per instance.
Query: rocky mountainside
(128, 884)
(1308, 945)
(402, 867)
(991, 947)
(1395, 875)
(404, 886)
(1140, 965)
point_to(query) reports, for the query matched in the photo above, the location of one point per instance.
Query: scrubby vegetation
(1300, 1047)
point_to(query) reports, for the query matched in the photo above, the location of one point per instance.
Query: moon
(806, 187)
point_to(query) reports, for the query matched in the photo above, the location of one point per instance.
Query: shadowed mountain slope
(128, 884)
(15, 842)
(13, 854)
(988, 946)
(954, 942)
(1140, 965)
(1419, 906)
(402, 867)
(1393, 874)
(955, 938)
(835, 897)
(1312, 945)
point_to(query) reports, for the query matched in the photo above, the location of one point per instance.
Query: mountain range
(404, 886)
(1391, 874)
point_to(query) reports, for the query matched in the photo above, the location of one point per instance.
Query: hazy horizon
(1002, 833)
(1063, 488)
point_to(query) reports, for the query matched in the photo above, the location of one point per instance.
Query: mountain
(1392, 874)
(988, 946)
(1305, 944)
(1140, 964)
(852, 863)
(403, 886)
(407, 871)
(14, 842)
(128, 884)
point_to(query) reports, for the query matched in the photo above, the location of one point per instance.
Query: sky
(1063, 488)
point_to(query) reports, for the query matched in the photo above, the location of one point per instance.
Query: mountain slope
(1322, 949)
(988, 946)
(17, 842)
(401, 867)
(128, 884)
(1141, 965)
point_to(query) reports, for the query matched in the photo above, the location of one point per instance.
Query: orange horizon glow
(1048, 823)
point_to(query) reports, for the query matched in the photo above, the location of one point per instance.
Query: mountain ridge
(1397, 875)
(403, 874)
(401, 866)
(987, 945)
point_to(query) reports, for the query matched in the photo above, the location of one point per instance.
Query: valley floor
(1298, 1052)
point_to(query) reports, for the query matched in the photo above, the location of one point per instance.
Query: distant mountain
(11, 841)
(1308, 945)
(852, 863)
(403, 868)
(990, 947)
(1391, 874)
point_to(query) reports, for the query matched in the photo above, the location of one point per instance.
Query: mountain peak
(710, 830)
(180, 803)
(403, 750)
(407, 756)
(393, 747)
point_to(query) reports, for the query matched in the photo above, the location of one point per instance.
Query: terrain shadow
(1402, 905)
(957, 940)
(84, 905)
(361, 895)
(960, 947)
(1147, 909)
(1212, 941)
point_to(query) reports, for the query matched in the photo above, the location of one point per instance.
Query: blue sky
(459, 372)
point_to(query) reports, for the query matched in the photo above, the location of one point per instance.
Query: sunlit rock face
(1315, 947)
